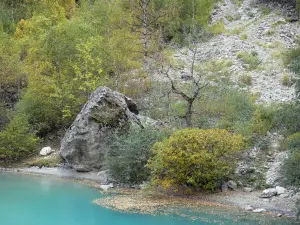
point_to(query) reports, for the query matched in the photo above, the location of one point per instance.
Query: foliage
(246, 79)
(129, 154)
(17, 139)
(290, 170)
(250, 60)
(194, 157)
(287, 118)
(286, 80)
(218, 28)
(263, 119)
(293, 141)
(49, 161)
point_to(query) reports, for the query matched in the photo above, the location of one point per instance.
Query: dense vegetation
(195, 158)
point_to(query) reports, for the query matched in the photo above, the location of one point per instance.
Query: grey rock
(269, 193)
(232, 185)
(86, 142)
(248, 189)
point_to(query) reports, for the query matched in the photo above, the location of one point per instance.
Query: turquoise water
(29, 200)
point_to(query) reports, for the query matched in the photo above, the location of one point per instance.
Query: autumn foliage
(195, 158)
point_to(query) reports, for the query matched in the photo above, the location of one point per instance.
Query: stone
(286, 195)
(85, 143)
(280, 190)
(46, 151)
(247, 189)
(260, 210)
(225, 187)
(269, 193)
(232, 185)
(249, 208)
(105, 187)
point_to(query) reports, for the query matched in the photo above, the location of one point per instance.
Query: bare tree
(198, 84)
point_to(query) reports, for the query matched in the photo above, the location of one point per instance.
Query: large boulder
(86, 142)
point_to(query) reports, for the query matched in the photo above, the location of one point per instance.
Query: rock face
(106, 112)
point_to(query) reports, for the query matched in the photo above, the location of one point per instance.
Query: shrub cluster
(195, 158)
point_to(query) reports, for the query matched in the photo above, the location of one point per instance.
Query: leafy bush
(293, 141)
(194, 157)
(288, 118)
(17, 139)
(290, 170)
(129, 154)
(263, 119)
(218, 28)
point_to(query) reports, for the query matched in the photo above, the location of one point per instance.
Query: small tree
(195, 158)
(198, 83)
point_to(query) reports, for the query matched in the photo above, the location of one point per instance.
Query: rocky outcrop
(86, 142)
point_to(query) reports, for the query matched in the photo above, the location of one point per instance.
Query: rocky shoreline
(135, 200)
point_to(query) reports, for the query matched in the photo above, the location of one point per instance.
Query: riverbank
(148, 202)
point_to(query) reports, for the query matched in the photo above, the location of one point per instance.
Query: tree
(194, 158)
(198, 83)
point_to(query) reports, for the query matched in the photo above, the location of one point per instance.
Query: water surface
(30, 200)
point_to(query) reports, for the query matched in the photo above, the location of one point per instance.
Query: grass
(265, 10)
(270, 32)
(237, 2)
(246, 79)
(250, 60)
(276, 24)
(286, 80)
(244, 37)
(49, 161)
(215, 66)
(231, 18)
(218, 28)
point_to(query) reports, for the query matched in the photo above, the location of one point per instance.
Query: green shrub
(288, 118)
(129, 154)
(17, 139)
(293, 141)
(286, 80)
(246, 79)
(250, 60)
(195, 158)
(290, 170)
(237, 112)
(263, 119)
(218, 28)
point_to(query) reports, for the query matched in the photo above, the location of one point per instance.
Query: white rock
(271, 191)
(105, 187)
(249, 208)
(259, 210)
(280, 190)
(46, 151)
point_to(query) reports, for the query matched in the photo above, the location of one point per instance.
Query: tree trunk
(188, 115)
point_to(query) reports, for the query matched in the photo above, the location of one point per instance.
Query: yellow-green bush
(17, 140)
(195, 158)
